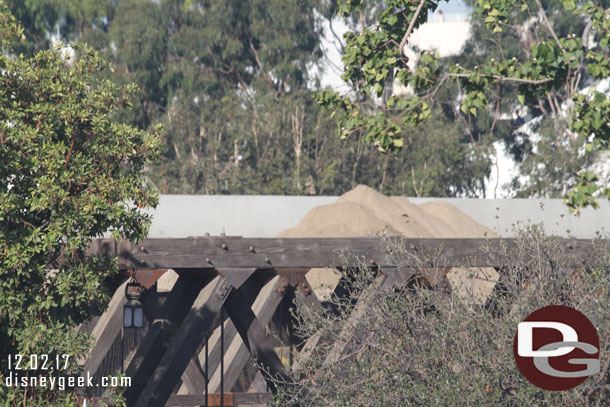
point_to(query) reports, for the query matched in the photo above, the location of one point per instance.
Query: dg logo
(556, 348)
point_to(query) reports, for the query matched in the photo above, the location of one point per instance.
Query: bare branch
(507, 79)
(405, 37)
(548, 25)
(260, 65)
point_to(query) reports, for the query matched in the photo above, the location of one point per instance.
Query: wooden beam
(196, 325)
(237, 355)
(200, 400)
(368, 296)
(156, 342)
(228, 252)
(251, 399)
(194, 376)
(306, 301)
(254, 337)
(385, 281)
(106, 329)
(236, 276)
(230, 399)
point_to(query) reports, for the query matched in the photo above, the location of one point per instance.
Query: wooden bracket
(294, 277)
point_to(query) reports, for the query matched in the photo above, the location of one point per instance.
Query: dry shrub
(416, 345)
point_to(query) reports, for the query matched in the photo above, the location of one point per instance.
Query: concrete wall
(501, 215)
(266, 216)
(235, 215)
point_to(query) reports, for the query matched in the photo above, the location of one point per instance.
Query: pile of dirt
(365, 212)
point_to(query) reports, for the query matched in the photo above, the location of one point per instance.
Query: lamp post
(133, 312)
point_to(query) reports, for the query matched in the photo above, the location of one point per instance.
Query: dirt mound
(364, 212)
(461, 225)
(409, 221)
(342, 219)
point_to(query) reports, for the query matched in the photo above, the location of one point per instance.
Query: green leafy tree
(549, 156)
(547, 72)
(565, 54)
(226, 79)
(393, 122)
(69, 172)
(65, 20)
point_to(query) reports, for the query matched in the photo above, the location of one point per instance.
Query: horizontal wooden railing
(276, 253)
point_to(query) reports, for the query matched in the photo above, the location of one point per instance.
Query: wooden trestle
(202, 337)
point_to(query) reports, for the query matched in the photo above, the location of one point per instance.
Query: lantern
(133, 312)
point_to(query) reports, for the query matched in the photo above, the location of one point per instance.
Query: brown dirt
(341, 219)
(459, 224)
(364, 212)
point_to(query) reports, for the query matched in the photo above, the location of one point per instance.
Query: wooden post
(155, 343)
(237, 355)
(108, 326)
(254, 337)
(194, 377)
(196, 325)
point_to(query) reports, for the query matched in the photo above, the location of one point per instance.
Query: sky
(453, 7)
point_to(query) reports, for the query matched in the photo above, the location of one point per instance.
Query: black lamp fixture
(133, 311)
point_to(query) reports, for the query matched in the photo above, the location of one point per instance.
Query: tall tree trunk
(297, 137)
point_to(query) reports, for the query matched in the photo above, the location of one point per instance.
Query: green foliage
(371, 60)
(563, 51)
(433, 157)
(231, 83)
(70, 172)
(67, 19)
(523, 52)
(226, 79)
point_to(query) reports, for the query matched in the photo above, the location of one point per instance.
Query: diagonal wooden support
(237, 354)
(193, 379)
(254, 337)
(306, 301)
(106, 329)
(155, 343)
(358, 313)
(385, 281)
(194, 328)
(377, 288)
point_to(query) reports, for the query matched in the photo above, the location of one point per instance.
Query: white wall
(266, 216)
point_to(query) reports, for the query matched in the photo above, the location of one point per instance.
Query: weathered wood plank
(306, 301)
(155, 344)
(193, 378)
(236, 276)
(237, 355)
(377, 288)
(196, 385)
(254, 337)
(251, 399)
(388, 279)
(209, 252)
(196, 325)
(230, 399)
(106, 329)
(200, 400)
